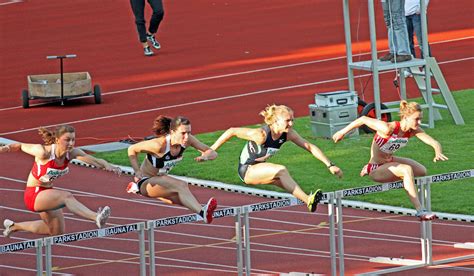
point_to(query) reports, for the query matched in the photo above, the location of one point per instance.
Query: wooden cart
(60, 86)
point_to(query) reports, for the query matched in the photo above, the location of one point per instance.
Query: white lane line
(256, 70)
(208, 100)
(235, 74)
(31, 269)
(11, 2)
(183, 104)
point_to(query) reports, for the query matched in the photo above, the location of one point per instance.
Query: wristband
(331, 164)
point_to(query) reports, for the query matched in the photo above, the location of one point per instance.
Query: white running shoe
(8, 228)
(132, 188)
(208, 210)
(102, 216)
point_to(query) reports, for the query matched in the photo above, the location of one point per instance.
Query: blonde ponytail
(408, 108)
(270, 112)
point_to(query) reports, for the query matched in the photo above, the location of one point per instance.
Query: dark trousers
(138, 8)
(414, 28)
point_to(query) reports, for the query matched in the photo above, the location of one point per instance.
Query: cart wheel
(25, 98)
(97, 96)
(369, 111)
(360, 106)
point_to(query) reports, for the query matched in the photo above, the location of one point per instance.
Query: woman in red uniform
(51, 161)
(162, 154)
(389, 137)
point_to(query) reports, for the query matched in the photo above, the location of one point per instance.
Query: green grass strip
(350, 155)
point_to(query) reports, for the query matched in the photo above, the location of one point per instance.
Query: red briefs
(371, 167)
(368, 168)
(30, 196)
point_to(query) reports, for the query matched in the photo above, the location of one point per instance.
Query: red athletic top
(393, 142)
(50, 171)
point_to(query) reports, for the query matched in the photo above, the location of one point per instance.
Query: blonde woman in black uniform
(162, 154)
(263, 143)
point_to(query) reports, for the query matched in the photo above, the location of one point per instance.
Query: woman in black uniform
(162, 154)
(265, 142)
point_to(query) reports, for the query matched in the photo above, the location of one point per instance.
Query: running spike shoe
(102, 216)
(208, 210)
(8, 228)
(314, 199)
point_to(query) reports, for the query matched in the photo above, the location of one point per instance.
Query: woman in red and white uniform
(162, 154)
(51, 162)
(390, 137)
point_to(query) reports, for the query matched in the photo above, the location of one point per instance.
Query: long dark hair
(164, 125)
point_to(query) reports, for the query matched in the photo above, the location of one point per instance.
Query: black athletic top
(165, 163)
(253, 153)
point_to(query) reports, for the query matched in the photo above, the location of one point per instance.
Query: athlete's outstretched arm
(36, 150)
(206, 152)
(425, 138)
(379, 126)
(250, 134)
(96, 162)
(314, 150)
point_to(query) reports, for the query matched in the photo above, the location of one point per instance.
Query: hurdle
(241, 229)
(424, 187)
(242, 226)
(241, 216)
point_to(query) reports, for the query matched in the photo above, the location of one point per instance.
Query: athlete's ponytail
(163, 125)
(49, 136)
(408, 108)
(270, 112)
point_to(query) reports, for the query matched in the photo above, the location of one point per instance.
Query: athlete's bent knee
(181, 187)
(406, 169)
(421, 171)
(282, 171)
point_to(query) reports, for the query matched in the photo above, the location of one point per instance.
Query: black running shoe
(147, 51)
(314, 199)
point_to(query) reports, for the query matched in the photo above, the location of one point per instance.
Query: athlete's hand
(113, 169)
(5, 148)
(201, 158)
(336, 171)
(440, 157)
(337, 136)
(137, 176)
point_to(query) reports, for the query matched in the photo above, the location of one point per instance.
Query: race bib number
(271, 151)
(53, 174)
(170, 164)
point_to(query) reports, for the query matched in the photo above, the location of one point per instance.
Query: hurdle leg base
(466, 245)
(395, 261)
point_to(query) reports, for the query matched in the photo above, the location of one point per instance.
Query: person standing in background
(413, 19)
(138, 8)
(393, 13)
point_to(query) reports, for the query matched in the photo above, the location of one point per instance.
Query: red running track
(282, 241)
(201, 40)
(221, 63)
